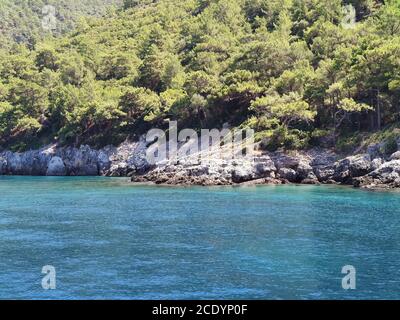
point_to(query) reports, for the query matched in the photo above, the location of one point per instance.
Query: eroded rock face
(304, 171)
(83, 161)
(288, 174)
(352, 167)
(367, 170)
(211, 171)
(395, 156)
(128, 159)
(386, 176)
(285, 161)
(3, 165)
(310, 179)
(80, 162)
(56, 167)
(27, 163)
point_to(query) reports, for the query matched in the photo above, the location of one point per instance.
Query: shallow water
(109, 239)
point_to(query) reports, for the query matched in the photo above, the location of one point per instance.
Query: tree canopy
(286, 68)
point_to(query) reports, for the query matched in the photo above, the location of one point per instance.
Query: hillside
(21, 20)
(295, 70)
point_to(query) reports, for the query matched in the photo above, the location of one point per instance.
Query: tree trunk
(378, 112)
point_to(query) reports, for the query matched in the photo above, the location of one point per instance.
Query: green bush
(390, 145)
(348, 143)
(297, 139)
(283, 137)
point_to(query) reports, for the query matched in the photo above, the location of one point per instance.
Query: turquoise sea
(110, 239)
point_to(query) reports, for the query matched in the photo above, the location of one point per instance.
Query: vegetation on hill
(21, 20)
(294, 70)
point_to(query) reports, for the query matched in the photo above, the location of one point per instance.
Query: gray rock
(376, 163)
(323, 159)
(375, 151)
(243, 174)
(14, 164)
(80, 162)
(129, 159)
(386, 175)
(3, 164)
(395, 156)
(352, 167)
(284, 161)
(360, 165)
(325, 173)
(311, 179)
(288, 174)
(119, 170)
(264, 165)
(56, 167)
(103, 159)
(303, 170)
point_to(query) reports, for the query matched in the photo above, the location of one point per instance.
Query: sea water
(110, 239)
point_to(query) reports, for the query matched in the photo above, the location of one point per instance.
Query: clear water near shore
(109, 239)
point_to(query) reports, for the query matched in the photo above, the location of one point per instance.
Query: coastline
(369, 170)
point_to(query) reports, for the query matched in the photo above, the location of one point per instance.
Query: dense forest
(21, 20)
(299, 72)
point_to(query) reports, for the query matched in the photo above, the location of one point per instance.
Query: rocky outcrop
(386, 176)
(210, 172)
(265, 168)
(27, 163)
(127, 159)
(56, 167)
(352, 167)
(312, 167)
(317, 166)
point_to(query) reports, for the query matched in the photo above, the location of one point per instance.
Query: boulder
(3, 164)
(395, 156)
(56, 167)
(304, 169)
(325, 173)
(311, 179)
(360, 165)
(14, 164)
(198, 171)
(284, 161)
(288, 174)
(387, 175)
(243, 174)
(387, 167)
(377, 163)
(103, 159)
(352, 167)
(323, 160)
(80, 162)
(118, 170)
(264, 166)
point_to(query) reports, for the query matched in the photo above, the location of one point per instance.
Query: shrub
(390, 145)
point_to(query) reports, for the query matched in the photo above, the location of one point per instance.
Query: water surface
(109, 239)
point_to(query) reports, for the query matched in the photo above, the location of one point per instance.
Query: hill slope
(294, 70)
(21, 20)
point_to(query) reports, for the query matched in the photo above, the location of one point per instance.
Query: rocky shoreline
(371, 169)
